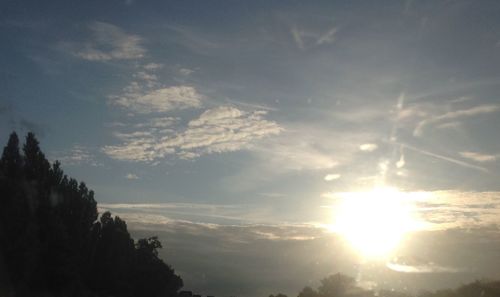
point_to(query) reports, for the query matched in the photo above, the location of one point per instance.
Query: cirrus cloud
(108, 42)
(217, 130)
(478, 157)
(159, 100)
(453, 116)
(368, 147)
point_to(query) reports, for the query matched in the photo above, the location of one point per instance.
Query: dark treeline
(52, 242)
(339, 285)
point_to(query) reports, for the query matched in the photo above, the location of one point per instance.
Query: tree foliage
(52, 244)
(339, 285)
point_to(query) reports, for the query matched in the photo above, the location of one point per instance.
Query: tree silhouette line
(340, 285)
(53, 242)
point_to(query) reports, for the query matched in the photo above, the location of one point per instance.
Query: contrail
(444, 158)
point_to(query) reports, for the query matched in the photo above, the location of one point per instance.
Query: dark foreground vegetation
(339, 285)
(53, 243)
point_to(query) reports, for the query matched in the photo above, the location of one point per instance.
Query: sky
(231, 129)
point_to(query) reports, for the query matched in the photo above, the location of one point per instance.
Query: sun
(374, 222)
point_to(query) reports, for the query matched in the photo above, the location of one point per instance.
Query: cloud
(478, 157)
(306, 147)
(297, 37)
(158, 100)
(330, 177)
(200, 216)
(77, 155)
(109, 42)
(452, 209)
(368, 147)
(250, 105)
(444, 158)
(272, 195)
(453, 116)
(146, 76)
(152, 66)
(450, 125)
(422, 268)
(136, 149)
(131, 176)
(176, 211)
(289, 155)
(195, 41)
(401, 162)
(171, 205)
(154, 124)
(441, 210)
(307, 39)
(216, 130)
(186, 71)
(224, 129)
(328, 37)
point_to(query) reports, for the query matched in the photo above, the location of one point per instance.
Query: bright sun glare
(374, 222)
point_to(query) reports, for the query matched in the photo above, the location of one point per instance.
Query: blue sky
(237, 113)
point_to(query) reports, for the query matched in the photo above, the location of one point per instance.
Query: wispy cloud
(453, 116)
(158, 100)
(308, 147)
(287, 155)
(153, 66)
(250, 105)
(478, 157)
(455, 209)
(186, 71)
(368, 147)
(272, 195)
(330, 177)
(193, 40)
(444, 158)
(305, 39)
(217, 130)
(77, 155)
(171, 205)
(450, 125)
(108, 42)
(131, 176)
(202, 213)
(422, 268)
(328, 37)
(441, 210)
(146, 94)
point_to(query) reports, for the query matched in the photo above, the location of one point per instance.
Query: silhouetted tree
(392, 293)
(51, 243)
(336, 285)
(308, 292)
(150, 270)
(278, 295)
(11, 161)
